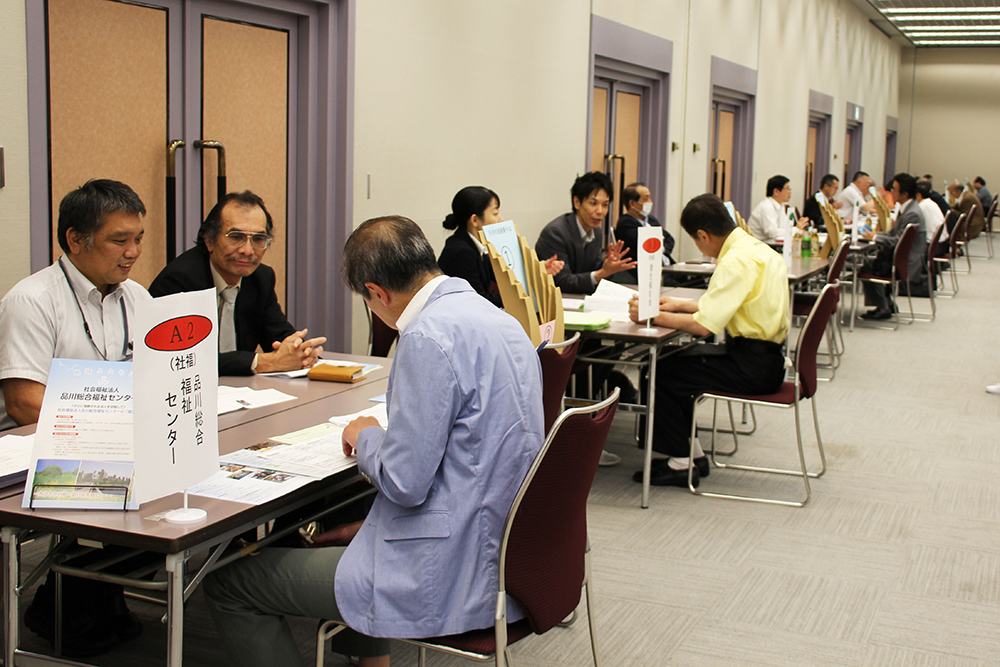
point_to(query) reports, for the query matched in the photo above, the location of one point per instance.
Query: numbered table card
(650, 265)
(82, 455)
(176, 389)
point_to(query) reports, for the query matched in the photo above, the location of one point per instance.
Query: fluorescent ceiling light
(950, 17)
(922, 35)
(940, 10)
(959, 42)
(911, 30)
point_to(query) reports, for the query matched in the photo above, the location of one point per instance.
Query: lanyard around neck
(126, 346)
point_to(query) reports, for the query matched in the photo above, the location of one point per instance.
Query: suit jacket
(561, 237)
(812, 211)
(942, 203)
(627, 231)
(462, 259)
(259, 319)
(465, 423)
(969, 203)
(909, 214)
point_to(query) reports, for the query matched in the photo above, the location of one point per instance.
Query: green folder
(586, 321)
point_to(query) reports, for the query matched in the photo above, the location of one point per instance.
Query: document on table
(245, 484)
(379, 412)
(311, 433)
(316, 458)
(15, 457)
(610, 298)
(302, 372)
(245, 398)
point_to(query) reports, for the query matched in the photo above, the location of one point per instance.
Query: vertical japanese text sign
(650, 254)
(176, 391)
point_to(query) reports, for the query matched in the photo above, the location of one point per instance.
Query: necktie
(227, 319)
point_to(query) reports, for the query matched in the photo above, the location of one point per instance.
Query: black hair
(708, 213)
(828, 179)
(83, 209)
(979, 179)
(391, 252)
(589, 183)
(213, 222)
(471, 200)
(924, 188)
(776, 183)
(928, 177)
(859, 174)
(907, 184)
(631, 193)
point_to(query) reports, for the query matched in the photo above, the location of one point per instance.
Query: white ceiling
(937, 23)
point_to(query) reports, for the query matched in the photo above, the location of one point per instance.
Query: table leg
(12, 574)
(647, 461)
(854, 294)
(175, 609)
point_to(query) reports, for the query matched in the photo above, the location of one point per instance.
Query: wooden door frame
(320, 194)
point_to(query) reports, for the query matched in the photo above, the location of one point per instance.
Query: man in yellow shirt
(748, 297)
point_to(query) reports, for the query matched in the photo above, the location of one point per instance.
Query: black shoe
(664, 475)
(628, 392)
(877, 314)
(83, 636)
(659, 465)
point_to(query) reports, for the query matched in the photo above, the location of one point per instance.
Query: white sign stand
(650, 266)
(176, 380)
(786, 248)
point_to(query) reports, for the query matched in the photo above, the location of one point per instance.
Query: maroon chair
(900, 270)
(932, 274)
(380, 335)
(950, 257)
(544, 553)
(803, 303)
(557, 364)
(803, 385)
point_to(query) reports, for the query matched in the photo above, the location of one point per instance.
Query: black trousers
(745, 366)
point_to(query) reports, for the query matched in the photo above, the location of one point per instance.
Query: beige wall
(14, 140)
(948, 102)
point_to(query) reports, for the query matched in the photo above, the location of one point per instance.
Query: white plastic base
(188, 515)
(649, 330)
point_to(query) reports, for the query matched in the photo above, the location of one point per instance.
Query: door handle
(171, 222)
(221, 150)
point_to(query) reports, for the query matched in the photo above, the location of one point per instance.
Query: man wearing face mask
(231, 244)
(638, 213)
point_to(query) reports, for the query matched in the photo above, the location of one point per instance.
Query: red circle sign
(651, 245)
(180, 333)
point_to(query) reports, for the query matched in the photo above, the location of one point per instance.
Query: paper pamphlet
(245, 398)
(301, 373)
(732, 210)
(82, 456)
(379, 412)
(15, 457)
(503, 236)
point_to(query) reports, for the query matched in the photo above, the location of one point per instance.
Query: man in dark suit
(904, 191)
(638, 213)
(937, 197)
(231, 244)
(828, 186)
(576, 239)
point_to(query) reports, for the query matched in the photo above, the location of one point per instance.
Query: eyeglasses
(237, 238)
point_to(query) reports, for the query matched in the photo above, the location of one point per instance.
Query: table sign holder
(176, 369)
(650, 265)
(834, 227)
(528, 292)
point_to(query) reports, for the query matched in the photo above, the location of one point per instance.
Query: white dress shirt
(767, 222)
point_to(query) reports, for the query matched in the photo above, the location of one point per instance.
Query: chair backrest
(811, 336)
(958, 233)
(951, 219)
(932, 268)
(542, 553)
(380, 335)
(839, 259)
(557, 364)
(901, 256)
(990, 213)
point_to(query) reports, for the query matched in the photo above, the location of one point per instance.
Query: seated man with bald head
(228, 255)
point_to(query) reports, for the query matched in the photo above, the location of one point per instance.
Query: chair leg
(802, 454)
(819, 441)
(591, 620)
(326, 630)
(421, 656)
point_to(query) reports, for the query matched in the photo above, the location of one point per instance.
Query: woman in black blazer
(463, 256)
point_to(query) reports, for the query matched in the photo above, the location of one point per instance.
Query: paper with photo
(244, 484)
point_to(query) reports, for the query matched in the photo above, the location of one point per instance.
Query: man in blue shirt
(465, 423)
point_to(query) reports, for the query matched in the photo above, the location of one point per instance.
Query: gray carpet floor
(894, 562)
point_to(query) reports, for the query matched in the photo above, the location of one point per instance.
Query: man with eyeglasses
(231, 244)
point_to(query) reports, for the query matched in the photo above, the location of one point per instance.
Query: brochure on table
(503, 236)
(82, 454)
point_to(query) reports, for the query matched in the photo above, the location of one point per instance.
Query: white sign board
(82, 456)
(650, 264)
(732, 210)
(176, 380)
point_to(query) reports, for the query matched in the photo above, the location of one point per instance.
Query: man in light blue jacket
(465, 423)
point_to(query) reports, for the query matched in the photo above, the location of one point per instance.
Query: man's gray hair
(391, 252)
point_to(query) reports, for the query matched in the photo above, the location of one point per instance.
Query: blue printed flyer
(82, 457)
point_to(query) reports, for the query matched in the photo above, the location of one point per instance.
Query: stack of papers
(379, 412)
(245, 398)
(609, 298)
(15, 457)
(586, 321)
